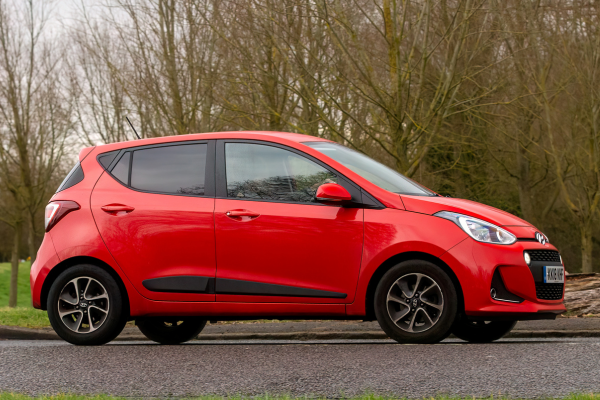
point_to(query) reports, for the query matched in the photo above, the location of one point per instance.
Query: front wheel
(416, 302)
(481, 331)
(171, 330)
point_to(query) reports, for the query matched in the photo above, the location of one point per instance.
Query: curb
(373, 335)
(16, 333)
(553, 334)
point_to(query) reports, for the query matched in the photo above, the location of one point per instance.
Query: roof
(294, 137)
(257, 135)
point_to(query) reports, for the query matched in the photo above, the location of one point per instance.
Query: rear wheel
(481, 331)
(85, 306)
(171, 330)
(415, 302)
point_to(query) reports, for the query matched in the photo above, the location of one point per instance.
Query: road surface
(517, 368)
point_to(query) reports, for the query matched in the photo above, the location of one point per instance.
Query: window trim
(355, 190)
(209, 169)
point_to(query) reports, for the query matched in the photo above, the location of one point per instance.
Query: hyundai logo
(540, 238)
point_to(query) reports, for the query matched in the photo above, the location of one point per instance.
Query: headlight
(478, 229)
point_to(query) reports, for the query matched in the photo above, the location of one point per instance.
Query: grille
(544, 255)
(549, 291)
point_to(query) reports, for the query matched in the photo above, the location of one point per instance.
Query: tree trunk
(524, 186)
(586, 248)
(14, 270)
(31, 239)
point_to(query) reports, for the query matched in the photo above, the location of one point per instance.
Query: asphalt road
(518, 368)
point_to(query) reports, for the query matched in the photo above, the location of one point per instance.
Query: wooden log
(582, 294)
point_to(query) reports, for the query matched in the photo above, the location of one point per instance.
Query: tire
(171, 330)
(435, 297)
(91, 318)
(481, 331)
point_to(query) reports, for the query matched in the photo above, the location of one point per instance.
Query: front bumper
(475, 263)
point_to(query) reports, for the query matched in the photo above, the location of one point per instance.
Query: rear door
(154, 209)
(274, 242)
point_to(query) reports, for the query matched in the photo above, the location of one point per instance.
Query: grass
(14, 396)
(23, 317)
(24, 314)
(23, 290)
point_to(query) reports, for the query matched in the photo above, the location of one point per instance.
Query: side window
(178, 169)
(265, 172)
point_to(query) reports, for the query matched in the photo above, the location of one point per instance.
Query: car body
(186, 254)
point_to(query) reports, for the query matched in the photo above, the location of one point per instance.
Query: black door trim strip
(234, 286)
(180, 284)
(202, 284)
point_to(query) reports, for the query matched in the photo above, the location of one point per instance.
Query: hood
(431, 205)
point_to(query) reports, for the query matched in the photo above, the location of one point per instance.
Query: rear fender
(76, 237)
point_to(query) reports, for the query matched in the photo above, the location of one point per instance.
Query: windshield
(376, 173)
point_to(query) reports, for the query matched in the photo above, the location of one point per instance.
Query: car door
(274, 242)
(154, 209)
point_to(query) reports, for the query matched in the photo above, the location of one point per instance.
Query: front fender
(392, 232)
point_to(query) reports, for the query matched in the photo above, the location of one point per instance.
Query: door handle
(117, 209)
(235, 214)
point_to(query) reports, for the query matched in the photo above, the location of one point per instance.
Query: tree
(34, 119)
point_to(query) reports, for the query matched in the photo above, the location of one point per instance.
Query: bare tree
(487, 99)
(34, 118)
(575, 137)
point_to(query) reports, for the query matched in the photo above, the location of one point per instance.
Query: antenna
(134, 131)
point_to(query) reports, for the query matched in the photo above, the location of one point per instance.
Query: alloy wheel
(415, 302)
(83, 305)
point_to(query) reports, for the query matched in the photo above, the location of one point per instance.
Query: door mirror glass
(332, 193)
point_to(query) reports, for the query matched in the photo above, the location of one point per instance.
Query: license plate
(554, 275)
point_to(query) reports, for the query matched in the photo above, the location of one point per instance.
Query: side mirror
(332, 193)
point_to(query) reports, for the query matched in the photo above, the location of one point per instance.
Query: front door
(155, 214)
(274, 242)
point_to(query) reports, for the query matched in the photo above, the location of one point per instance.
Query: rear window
(73, 178)
(171, 169)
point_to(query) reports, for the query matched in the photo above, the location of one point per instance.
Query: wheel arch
(398, 258)
(71, 262)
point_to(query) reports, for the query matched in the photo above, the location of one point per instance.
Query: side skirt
(224, 311)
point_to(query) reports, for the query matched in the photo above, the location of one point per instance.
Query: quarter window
(264, 172)
(176, 169)
(121, 169)
(73, 178)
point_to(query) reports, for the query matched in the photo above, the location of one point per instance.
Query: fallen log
(582, 294)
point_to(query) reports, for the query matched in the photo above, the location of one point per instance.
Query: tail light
(56, 210)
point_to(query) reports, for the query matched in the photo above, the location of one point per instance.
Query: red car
(174, 231)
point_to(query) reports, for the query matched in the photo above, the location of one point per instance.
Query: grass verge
(23, 289)
(24, 315)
